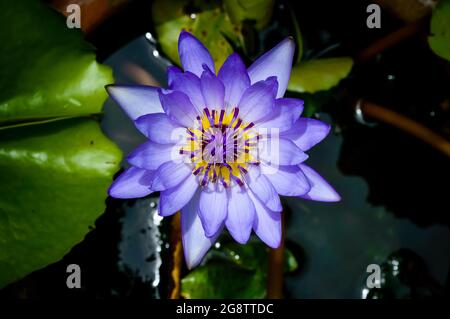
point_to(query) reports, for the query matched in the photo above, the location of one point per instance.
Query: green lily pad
(53, 182)
(211, 25)
(439, 41)
(258, 11)
(234, 271)
(47, 70)
(317, 75)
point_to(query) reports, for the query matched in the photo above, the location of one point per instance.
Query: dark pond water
(339, 240)
(382, 213)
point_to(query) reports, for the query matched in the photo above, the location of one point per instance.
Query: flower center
(219, 146)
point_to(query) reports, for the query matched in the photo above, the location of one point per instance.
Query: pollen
(220, 147)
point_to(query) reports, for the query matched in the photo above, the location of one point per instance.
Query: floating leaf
(234, 271)
(259, 11)
(53, 182)
(211, 26)
(47, 70)
(439, 41)
(54, 171)
(317, 75)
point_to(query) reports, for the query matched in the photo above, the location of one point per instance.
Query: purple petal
(195, 243)
(285, 113)
(279, 151)
(132, 183)
(136, 100)
(241, 214)
(179, 108)
(276, 62)
(193, 54)
(174, 199)
(258, 100)
(320, 189)
(159, 128)
(234, 76)
(213, 90)
(173, 73)
(306, 132)
(287, 180)
(170, 174)
(263, 189)
(267, 224)
(189, 84)
(151, 155)
(213, 209)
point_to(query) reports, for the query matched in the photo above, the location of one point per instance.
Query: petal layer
(241, 214)
(195, 243)
(258, 100)
(136, 100)
(213, 209)
(174, 199)
(132, 183)
(276, 62)
(320, 189)
(234, 76)
(267, 224)
(159, 128)
(178, 107)
(193, 54)
(287, 180)
(263, 189)
(151, 155)
(306, 132)
(189, 84)
(285, 113)
(213, 90)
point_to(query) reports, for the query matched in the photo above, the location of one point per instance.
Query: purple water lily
(222, 148)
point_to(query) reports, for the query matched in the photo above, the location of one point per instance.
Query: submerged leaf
(439, 40)
(211, 26)
(47, 70)
(234, 271)
(53, 181)
(317, 75)
(258, 11)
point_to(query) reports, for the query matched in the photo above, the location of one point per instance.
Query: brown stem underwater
(406, 124)
(275, 272)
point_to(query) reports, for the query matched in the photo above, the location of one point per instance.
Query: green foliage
(439, 40)
(257, 11)
(47, 70)
(317, 75)
(234, 271)
(54, 171)
(211, 25)
(53, 184)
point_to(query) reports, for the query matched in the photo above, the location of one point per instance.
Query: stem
(392, 39)
(177, 257)
(276, 267)
(406, 124)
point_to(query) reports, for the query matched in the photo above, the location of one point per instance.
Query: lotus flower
(222, 147)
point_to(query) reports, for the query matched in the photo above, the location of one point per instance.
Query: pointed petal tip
(241, 239)
(278, 62)
(184, 33)
(192, 261)
(193, 53)
(131, 183)
(321, 190)
(135, 100)
(274, 245)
